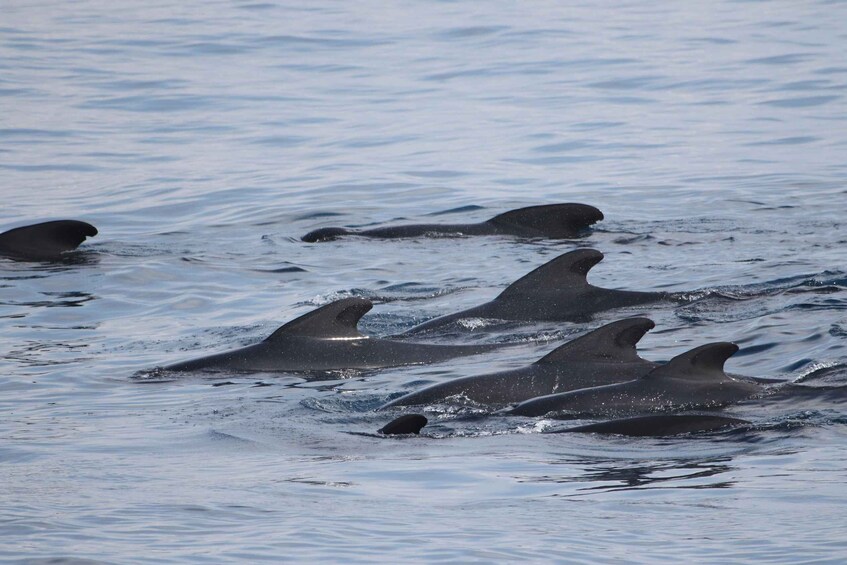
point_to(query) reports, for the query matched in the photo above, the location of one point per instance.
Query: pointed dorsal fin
(565, 271)
(551, 220)
(47, 239)
(613, 342)
(335, 320)
(704, 362)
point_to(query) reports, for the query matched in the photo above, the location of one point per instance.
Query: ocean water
(204, 138)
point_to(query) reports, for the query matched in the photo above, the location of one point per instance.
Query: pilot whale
(694, 379)
(47, 241)
(604, 356)
(555, 291)
(327, 339)
(639, 426)
(405, 424)
(556, 221)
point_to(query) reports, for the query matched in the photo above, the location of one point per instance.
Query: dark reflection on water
(67, 260)
(665, 474)
(69, 299)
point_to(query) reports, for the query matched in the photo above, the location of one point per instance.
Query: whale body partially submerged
(556, 291)
(327, 339)
(555, 221)
(604, 356)
(46, 241)
(640, 426)
(694, 379)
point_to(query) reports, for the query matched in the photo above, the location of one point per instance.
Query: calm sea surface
(204, 138)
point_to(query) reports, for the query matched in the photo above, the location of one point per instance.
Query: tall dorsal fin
(335, 320)
(565, 271)
(704, 362)
(613, 342)
(551, 220)
(45, 240)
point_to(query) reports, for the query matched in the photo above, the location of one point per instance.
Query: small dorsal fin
(47, 239)
(702, 362)
(565, 271)
(613, 342)
(551, 220)
(406, 424)
(335, 320)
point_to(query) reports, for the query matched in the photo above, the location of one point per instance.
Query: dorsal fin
(335, 320)
(551, 220)
(704, 362)
(565, 271)
(325, 234)
(406, 424)
(45, 240)
(613, 342)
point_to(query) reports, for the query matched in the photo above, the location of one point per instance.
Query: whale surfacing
(604, 356)
(406, 424)
(47, 241)
(694, 379)
(555, 221)
(327, 339)
(658, 425)
(557, 291)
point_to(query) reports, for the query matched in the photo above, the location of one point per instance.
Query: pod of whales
(694, 379)
(599, 374)
(555, 221)
(556, 291)
(46, 241)
(604, 356)
(327, 339)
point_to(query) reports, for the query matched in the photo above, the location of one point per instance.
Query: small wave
(824, 373)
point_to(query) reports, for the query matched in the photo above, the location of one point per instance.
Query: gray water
(204, 138)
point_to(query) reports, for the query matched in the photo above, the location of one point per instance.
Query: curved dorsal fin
(47, 239)
(704, 362)
(613, 342)
(406, 424)
(335, 320)
(551, 220)
(565, 271)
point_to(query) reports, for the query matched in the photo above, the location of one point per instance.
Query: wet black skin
(557, 291)
(554, 221)
(606, 355)
(47, 241)
(327, 339)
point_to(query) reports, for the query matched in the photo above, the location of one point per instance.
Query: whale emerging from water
(556, 221)
(47, 241)
(327, 339)
(405, 424)
(604, 356)
(555, 291)
(639, 426)
(694, 379)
